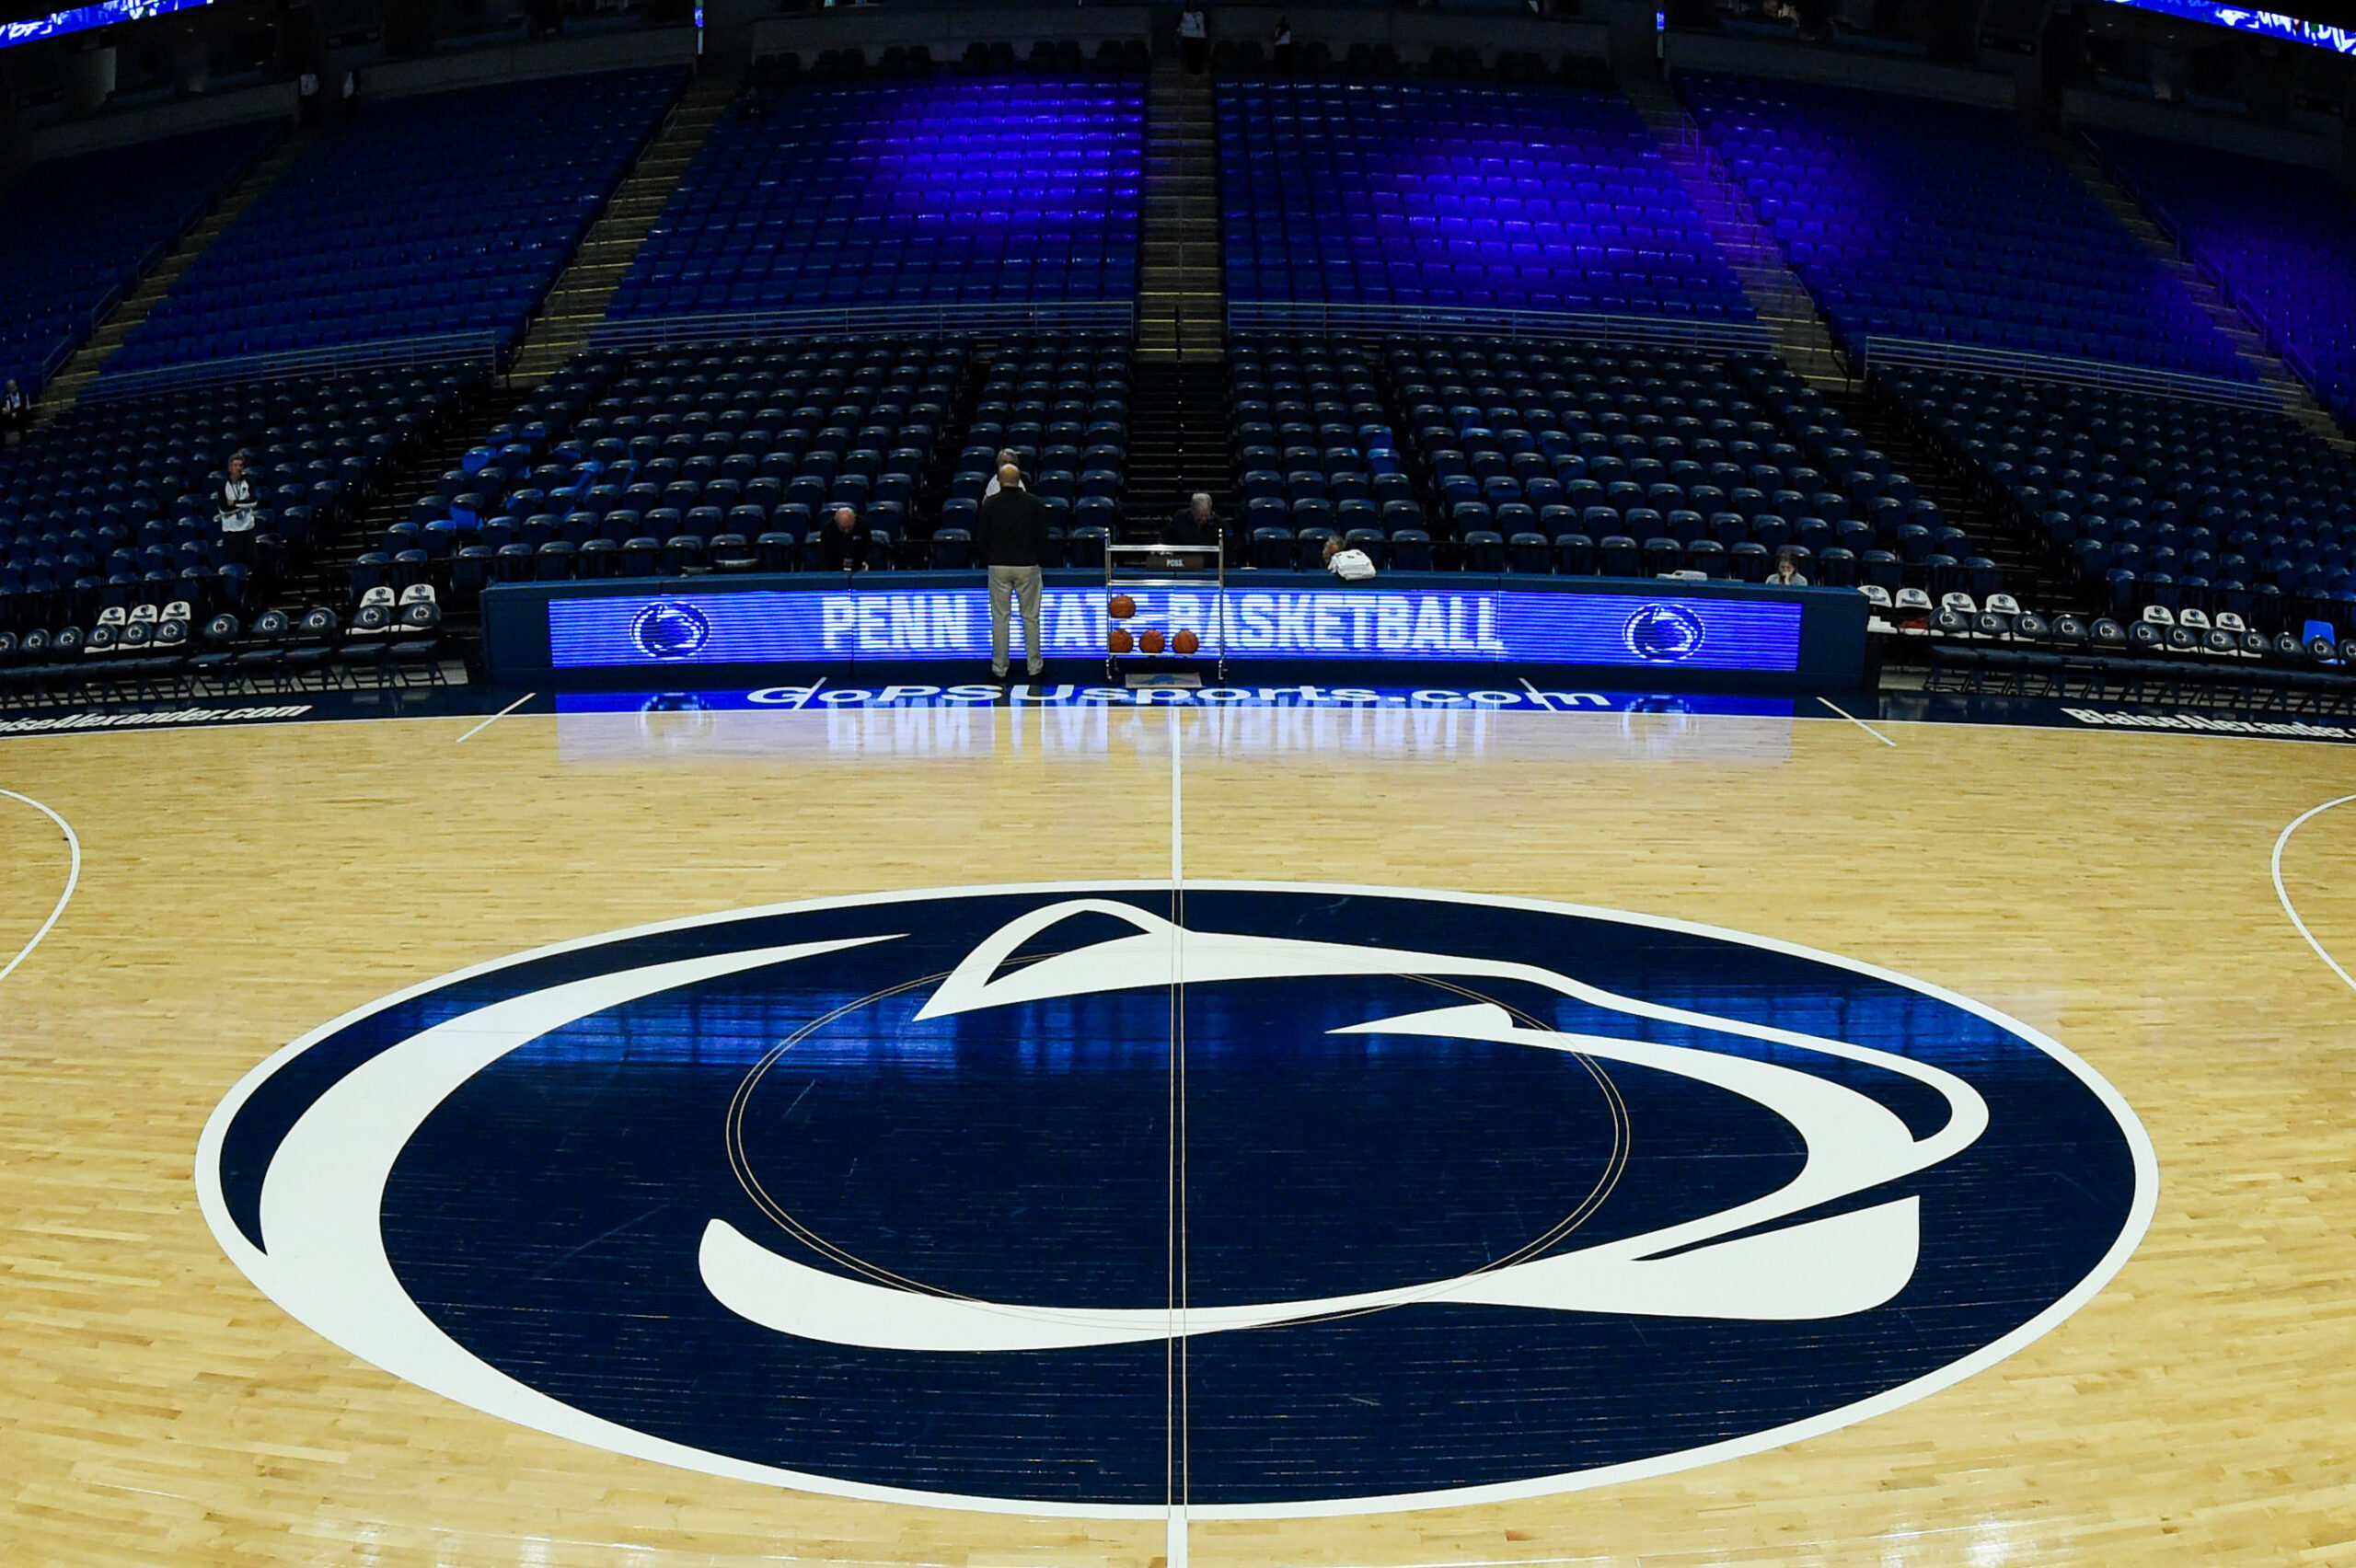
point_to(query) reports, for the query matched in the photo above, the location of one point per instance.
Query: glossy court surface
(1357, 1203)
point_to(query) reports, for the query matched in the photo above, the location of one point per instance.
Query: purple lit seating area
(1455, 196)
(2280, 242)
(443, 213)
(1930, 220)
(942, 190)
(75, 232)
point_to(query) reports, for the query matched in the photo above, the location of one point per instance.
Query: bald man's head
(1009, 477)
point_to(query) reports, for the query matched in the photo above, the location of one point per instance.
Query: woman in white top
(237, 514)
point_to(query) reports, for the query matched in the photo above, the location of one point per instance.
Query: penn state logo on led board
(1663, 634)
(668, 630)
(1447, 1198)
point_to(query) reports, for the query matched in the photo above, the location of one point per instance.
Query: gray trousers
(1008, 583)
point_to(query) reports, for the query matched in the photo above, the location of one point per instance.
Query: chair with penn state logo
(415, 650)
(263, 664)
(310, 643)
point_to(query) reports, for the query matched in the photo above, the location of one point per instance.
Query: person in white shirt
(16, 410)
(237, 511)
(1349, 564)
(1005, 461)
(1194, 37)
(1788, 572)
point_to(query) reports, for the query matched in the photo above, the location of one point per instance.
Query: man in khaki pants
(1012, 539)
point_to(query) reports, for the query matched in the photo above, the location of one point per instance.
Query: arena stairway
(1181, 303)
(2033, 572)
(1785, 308)
(88, 361)
(578, 300)
(1178, 439)
(324, 575)
(2296, 399)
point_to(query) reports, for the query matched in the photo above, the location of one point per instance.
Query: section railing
(1263, 316)
(925, 320)
(436, 348)
(1915, 353)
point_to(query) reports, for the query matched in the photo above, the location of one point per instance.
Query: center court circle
(1480, 1197)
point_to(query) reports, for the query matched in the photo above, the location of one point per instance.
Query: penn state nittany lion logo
(1663, 634)
(670, 631)
(1352, 1198)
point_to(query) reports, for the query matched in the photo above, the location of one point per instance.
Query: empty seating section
(2160, 500)
(1061, 406)
(75, 230)
(942, 190)
(1942, 221)
(1638, 461)
(682, 460)
(116, 503)
(451, 212)
(2279, 241)
(1315, 451)
(1446, 195)
(1572, 456)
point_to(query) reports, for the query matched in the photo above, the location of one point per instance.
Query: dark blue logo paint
(1663, 634)
(913, 1197)
(663, 630)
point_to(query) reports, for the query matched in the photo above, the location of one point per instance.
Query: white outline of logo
(1663, 611)
(330, 1269)
(669, 607)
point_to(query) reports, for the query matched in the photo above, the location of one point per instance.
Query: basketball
(1120, 641)
(1122, 606)
(1149, 640)
(1185, 644)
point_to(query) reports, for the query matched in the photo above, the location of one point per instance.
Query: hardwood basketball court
(241, 887)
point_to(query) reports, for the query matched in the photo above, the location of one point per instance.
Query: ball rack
(1170, 566)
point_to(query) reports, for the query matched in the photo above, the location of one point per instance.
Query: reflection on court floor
(1453, 725)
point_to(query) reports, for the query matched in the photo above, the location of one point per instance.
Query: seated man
(1193, 524)
(843, 545)
(1198, 524)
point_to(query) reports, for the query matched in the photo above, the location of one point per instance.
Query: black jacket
(838, 551)
(1012, 531)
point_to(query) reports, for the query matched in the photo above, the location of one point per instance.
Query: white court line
(494, 719)
(1177, 1419)
(808, 697)
(72, 879)
(1536, 696)
(2288, 909)
(1860, 723)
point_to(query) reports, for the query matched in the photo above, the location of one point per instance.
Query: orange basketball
(1120, 641)
(1149, 640)
(1122, 606)
(1185, 644)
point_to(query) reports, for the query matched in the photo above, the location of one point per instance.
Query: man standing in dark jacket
(1012, 542)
